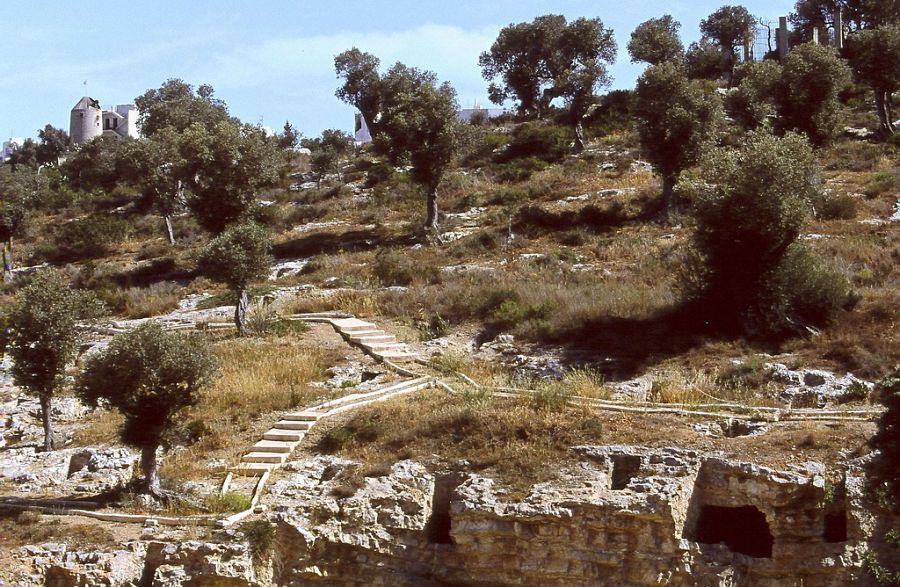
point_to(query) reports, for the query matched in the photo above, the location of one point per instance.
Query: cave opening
(743, 529)
(835, 527)
(625, 467)
(438, 526)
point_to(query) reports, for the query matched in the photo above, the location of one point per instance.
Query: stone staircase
(365, 335)
(283, 438)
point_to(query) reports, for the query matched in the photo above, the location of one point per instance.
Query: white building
(10, 147)
(88, 120)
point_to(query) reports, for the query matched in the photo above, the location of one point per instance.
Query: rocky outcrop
(623, 515)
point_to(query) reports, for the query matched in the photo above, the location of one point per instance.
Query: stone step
(264, 457)
(372, 338)
(383, 346)
(398, 355)
(254, 469)
(304, 416)
(285, 435)
(349, 325)
(294, 425)
(279, 446)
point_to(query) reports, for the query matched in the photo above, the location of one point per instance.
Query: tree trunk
(150, 483)
(7, 260)
(670, 200)
(884, 117)
(431, 205)
(45, 418)
(889, 103)
(240, 311)
(579, 136)
(170, 233)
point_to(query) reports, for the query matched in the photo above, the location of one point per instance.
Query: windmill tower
(85, 121)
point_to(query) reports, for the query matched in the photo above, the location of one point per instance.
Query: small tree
(750, 204)
(148, 375)
(703, 60)
(26, 156)
(656, 40)
(729, 27)
(54, 144)
(42, 336)
(419, 124)
(675, 119)
(238, 257)
(327, 151)
(875, 57)
(812, 77)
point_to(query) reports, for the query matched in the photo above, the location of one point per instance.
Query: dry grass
(157, 299)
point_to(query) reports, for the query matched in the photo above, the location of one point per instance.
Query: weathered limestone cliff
(623, 516)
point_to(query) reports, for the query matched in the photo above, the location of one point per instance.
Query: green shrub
(229, 503)
(520, 169)
(837, 207)
(536, 140)
(550, 397)
(882, 183)
(260, 536)
(806, 289)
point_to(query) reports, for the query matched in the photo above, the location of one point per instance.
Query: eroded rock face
(623, 516)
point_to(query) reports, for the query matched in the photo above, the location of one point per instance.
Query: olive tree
(224, 167)
(754, 101)
(42, 336)
(415, 118)
(812, 77)
(419, 125)
(54, 144)
(327, 151)
(875, 58)
(176, 104)
(238, 257)
(535, 63)
(729, 27)
(148, 375)
(153, 166)
(362, 84)
(656, 40)
(676, 118)
(750, 204)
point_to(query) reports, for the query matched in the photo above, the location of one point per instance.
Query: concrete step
(279, 446)
(372, 338)
(383, 346)
(254, 469)
(264, 457)
(294, 425)
(285, 435)
(304, 416)
(397, 355)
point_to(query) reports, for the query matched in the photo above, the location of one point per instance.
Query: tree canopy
(176, 104)
(42, 336)
(729, 27)
(361, 86)
(238, 257)
(148, 375)
(548, 58)
(656, 40)
(874, 55)
(54, 144)
(676, 118)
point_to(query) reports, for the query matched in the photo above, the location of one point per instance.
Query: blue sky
(272, 60)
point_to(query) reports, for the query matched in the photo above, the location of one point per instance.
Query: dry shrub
(159, 298)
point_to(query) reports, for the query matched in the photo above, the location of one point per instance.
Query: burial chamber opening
(742, 529)
(437, 528)
(625, 467)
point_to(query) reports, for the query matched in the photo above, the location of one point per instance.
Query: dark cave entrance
(835, 526)
(625, 467)
(743, 529)
(438, 526)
